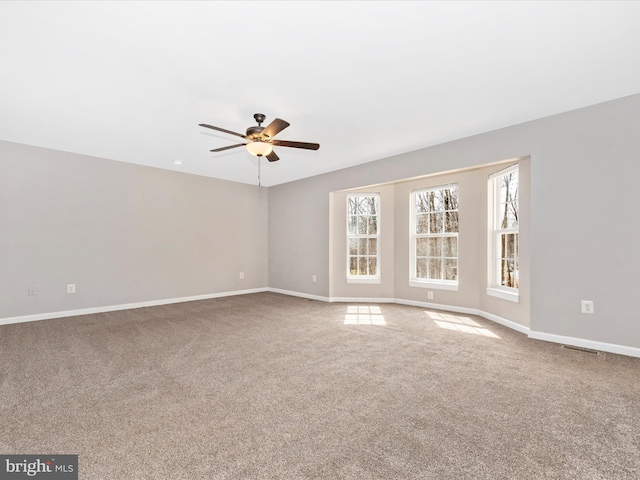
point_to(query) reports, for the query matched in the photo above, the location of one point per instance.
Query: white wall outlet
(313, 278)
(586, 306)
(429, 295)
(71, 288)
(241, 274)
(31, 291)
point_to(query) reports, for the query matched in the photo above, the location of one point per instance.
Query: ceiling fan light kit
(259, 148)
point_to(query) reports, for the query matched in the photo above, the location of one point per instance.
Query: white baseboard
(548, 337)
(299, 294)
(469, 311)
(507, 323)
(436, 306)
(126, 306)
(581, 342)
(361, 300)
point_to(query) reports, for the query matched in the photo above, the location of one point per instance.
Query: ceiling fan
(260, 141)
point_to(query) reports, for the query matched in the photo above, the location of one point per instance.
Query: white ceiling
(131, 81)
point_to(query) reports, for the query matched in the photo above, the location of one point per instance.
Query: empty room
(319, 240)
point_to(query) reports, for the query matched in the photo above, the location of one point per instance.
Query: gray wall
(127, 233)
(584, 228)
(123, 233)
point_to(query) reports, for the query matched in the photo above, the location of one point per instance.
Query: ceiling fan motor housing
(254, 132)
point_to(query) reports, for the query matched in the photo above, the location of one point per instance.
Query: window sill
(511, 296)
(434, 285)
(364, 280)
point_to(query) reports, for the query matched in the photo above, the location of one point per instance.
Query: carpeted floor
(266, 386)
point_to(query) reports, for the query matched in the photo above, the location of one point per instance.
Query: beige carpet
(266, 386)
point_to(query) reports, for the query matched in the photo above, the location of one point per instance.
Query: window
(363, 238)
(434, 237)
(504, 254)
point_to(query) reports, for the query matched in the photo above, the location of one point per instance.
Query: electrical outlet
(586, 306)
(32, 291)
(313, 278)
(241, 274)
(71, 288)
(429, 295)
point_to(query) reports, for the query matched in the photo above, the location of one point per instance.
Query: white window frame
(495, 289)
(373, 279)
(413, 236)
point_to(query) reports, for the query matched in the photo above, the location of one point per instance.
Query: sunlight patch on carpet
(460, 324)
(364, 315)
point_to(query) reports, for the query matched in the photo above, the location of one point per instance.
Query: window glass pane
(451, 222)
(508, 273)
(435, 247)
(451, 199)
(435, 268)
(373, 266)
(450, 269)
(502, 220)
(369, 206)
(353, 265)
(373, 246)
(353, 246)
(502, 190)
(508, 187)
(435, 223)
(438, 204)
(513, 186)
(422, 203)
(362, 246)
(362, 225)
(430, 198)
(362, 265)
(450, 247)
(352, 205)
(421, 268)
(422, 223)
(421, 247)
(508, 245)
(373, 225)
(352, 225)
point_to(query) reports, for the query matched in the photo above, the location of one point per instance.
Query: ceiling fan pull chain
(259, 158)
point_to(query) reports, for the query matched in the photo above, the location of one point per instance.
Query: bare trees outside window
(506, 227)
(363, 236)
(434, 235)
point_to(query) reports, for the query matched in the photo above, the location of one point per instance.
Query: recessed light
(178, 162)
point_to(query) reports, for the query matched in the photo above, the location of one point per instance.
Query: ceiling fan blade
(227, 148)
(272, 157)
(222, 130)
(291, 143)
(274, 128)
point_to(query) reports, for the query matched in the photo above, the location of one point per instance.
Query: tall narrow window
(504, 256)
(434, 237)
(363, 238)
